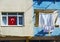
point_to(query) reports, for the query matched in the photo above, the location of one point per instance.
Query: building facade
(31, 19)
(16, 17)
(16, 21)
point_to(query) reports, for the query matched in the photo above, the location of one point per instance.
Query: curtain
(12, 20)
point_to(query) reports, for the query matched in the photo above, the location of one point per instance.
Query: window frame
(2, 15)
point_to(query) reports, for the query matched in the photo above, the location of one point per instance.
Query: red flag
(12, 20)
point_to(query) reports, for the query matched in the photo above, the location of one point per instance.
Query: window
(12, 19)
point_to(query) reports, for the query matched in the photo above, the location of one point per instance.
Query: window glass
(4, 13)
(12, 13)
(4, 20)
(20, 13)
(20, 20)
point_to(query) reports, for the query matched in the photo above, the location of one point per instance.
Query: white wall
(18, 6)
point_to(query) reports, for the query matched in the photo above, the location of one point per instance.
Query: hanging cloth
(46, 22)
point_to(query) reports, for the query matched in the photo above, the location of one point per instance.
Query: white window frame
(12, 15)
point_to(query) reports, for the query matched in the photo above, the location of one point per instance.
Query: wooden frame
(43, 11)
(37, 11)
(37, 15)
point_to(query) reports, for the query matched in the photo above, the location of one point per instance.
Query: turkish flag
(12, 20)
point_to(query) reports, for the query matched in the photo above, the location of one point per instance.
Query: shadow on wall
(41, 33)
(59, 34)
(40, 1)
(48, 0)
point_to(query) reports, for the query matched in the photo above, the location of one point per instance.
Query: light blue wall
(46, 5)
(38, 32)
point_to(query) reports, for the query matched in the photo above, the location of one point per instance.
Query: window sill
(12, 26)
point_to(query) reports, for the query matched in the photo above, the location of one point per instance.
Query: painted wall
(38, 30)
(48, 4)
(44, 5)
(17, 6)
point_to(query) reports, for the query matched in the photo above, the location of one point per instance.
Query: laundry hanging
(46, 22)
